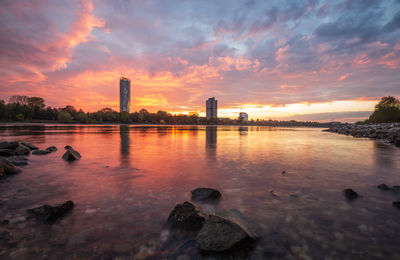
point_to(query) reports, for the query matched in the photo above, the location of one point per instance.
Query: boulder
(67, 147)
(49, 214)
(6, 152)
(396, 204)
(40, 152)
(30, 146)
(383, 187)
(7, 168)
(350, 194)
(223, 232)
(71, 155)
(205, 194)
(22, 150)
(186, 216)
(51, 149)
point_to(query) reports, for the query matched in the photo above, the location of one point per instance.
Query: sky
(301, 59)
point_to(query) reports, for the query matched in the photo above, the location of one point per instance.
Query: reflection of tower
(124, 94)
(243, 130)
(211, 108)
(211, 141)
(124, 131)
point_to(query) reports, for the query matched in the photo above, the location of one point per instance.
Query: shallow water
(130, 178)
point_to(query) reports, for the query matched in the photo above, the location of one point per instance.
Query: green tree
(387, 110)
(64, 117)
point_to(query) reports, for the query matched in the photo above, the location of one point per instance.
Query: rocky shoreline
(389, 132)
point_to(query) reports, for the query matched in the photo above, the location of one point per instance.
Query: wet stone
(383, 187)
(51, 149)
(30, 146)
(223, 233)
(22, 150)
(6, 152)
(8, 168)
(396, 204)
(71, 155)
(186, 216)
(40, 152)
(50, 214)
(350, 194)
(205, 194)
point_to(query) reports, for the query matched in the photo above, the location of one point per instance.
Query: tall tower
(124, 94)
(211, 108)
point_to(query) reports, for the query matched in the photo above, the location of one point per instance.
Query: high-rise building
(211, 108)
(124, 94)
(244, 117)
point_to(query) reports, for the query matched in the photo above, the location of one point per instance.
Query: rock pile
(389, 132)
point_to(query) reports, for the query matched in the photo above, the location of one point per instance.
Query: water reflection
(124, 131)
(211, 141)
(243, 130)
(383, 155)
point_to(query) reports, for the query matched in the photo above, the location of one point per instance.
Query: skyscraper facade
(211, 108)
(124, 94)
(244, 117)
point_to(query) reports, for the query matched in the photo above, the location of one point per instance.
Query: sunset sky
(304, 60)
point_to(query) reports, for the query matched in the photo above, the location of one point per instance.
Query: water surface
(130, 178)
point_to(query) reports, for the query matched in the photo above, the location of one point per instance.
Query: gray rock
(22, 150)
(30, 146)
(223, 233)
(51, 149)
(71, 155)
(40, 152)
(9, 145)
(205, 194)
(7, 168)
(186, 216)
(49, 214)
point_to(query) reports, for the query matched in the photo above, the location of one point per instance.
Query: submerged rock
(50, 214)
(350, 194)
(18, 160)
(22, 150)
(51, 149)
(187, 216)
(30, 146)
(223, 233)
(71, 155)
(8, 168)
(383, 187)
(205, 194)
(396, 204)
(67, 147)
(40, 152)
(396, 188)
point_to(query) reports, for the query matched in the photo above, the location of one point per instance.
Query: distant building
(211, 108)
(244, 117)
(124, 94)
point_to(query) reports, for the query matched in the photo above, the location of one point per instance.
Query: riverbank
(389, 132)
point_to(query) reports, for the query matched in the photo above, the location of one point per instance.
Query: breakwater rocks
(389, 132)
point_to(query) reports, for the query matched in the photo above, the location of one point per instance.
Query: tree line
(34, 109)
(386, 111)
